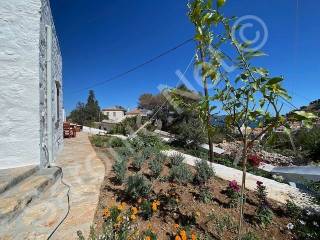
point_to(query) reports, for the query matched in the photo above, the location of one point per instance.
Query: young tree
(203, 17)
(252, 96)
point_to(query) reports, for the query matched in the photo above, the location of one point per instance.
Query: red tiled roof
(113, 109)
(134, 112)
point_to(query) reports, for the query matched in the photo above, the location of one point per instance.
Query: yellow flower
(198, 214)
(106, 212)
(134, 210)
(122, 206)
(183, 235)
(149, 226)
(133, 217)
(119, 219)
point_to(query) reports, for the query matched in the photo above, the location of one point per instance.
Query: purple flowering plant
(233, 193)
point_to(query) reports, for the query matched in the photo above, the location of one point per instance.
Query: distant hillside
(313, 106)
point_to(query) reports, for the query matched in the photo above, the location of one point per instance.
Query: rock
(233, 150)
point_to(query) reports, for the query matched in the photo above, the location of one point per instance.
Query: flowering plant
(254, 160)
(263, 212)
(233, 192)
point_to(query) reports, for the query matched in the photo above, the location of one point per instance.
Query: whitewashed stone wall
(19, 82)
(23, 83)
(56, 72)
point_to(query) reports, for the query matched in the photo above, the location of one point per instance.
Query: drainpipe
(49, 92)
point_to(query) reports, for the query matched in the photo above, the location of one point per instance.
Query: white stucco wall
(116, 116)
(19, 82)
(23, 113)
(56, 73)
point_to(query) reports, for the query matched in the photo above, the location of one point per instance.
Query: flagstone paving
(84, 172)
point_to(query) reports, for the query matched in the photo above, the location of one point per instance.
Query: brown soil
(216, 218)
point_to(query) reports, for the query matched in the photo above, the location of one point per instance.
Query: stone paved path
(84, 172)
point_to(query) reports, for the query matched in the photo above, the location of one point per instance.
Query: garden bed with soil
(174, 209)
(180, 208)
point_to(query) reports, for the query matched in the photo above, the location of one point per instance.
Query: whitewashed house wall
(23, 103)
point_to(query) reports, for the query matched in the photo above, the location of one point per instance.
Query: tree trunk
(205, 87)
(243, 185)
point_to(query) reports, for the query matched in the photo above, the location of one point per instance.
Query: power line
(137, 66)
(164, 102)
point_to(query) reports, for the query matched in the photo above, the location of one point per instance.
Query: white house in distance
(31, 114)
(114, 115)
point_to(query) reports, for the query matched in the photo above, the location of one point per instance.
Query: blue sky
(100, 39)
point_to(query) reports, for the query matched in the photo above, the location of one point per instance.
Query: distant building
(114, 115)
(137, 112)
(31, 85)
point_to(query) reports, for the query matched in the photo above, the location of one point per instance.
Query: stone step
(16, 198)
(11, 177)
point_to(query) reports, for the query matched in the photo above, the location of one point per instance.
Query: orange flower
(106, 212)
(148, 238)
(176, 226)
(155, 205)
(134, 210)
(193, 236)
(149, 226)
(183, 235)
(122, 206)
(177, 237)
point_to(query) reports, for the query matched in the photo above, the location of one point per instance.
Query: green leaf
(305, 115)
(274, 80)
(220, 3)
(261, 71)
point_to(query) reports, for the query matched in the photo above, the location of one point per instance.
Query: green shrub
(120, 167)
(137, 186)
(204, 171)
(293, 210)
(97, 141)
(249, 236)
(149, 233)
(151, 140)
(205, 195)
(190, 134)
(176, 159)
(116, 142)
(136, 143)
(160, 157)
(156, 167)
(180, 173)
(264, 213)
(146, 209)
(314, 187)
(148, 152)
(138, 161)
(124, 152)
